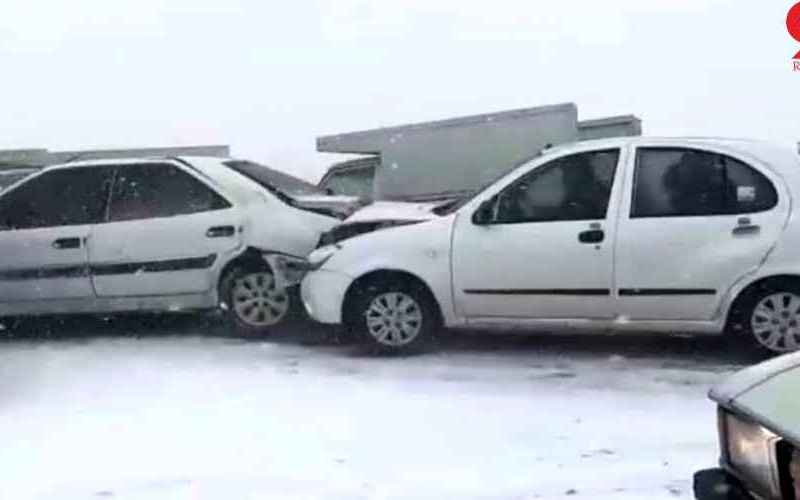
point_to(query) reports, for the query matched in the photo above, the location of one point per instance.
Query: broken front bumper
(323, 295)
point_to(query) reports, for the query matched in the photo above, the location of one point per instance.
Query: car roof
(205, 165)
(728, 142)
(782, 159)
(134, 161)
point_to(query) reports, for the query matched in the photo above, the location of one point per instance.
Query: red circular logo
(793, 22)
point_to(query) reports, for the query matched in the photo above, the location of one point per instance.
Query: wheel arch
(250, 257)
(734, 312)
(383, 275)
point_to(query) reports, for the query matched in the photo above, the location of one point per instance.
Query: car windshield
(455, 205)
(274, 180)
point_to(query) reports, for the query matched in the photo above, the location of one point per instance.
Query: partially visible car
(352, 178)
(759, 434)
(159, 234)
(684, 235)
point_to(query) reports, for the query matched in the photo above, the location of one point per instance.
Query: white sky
(267, 77)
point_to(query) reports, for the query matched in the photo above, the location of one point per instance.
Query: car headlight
(320, 256)
(750, 451)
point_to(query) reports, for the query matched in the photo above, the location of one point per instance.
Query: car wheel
(771, 319)
(394, 318)
(253, 303)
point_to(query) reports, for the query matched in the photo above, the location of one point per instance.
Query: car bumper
(323, 295)
(717, 484)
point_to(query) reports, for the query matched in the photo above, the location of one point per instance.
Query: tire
(394, 317)
(270, 308)
(769, 319)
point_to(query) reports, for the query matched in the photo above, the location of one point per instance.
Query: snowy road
(174, 414)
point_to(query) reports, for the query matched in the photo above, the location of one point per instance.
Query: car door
(546, 251)
(695, 222)
(45, 225)
(167, 231)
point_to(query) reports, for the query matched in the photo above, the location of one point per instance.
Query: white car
(628, 234)
(162, 234)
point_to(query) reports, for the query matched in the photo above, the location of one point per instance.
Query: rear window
(273, 179)
(677, 182)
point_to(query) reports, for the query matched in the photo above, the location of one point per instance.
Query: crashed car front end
(290, 269)
(377, 216)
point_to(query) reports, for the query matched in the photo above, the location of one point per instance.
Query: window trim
(166, 163)
(635, 185)
(494, 198)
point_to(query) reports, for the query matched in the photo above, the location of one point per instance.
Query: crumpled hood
(394, 211)
(341, 204)
(768, 392)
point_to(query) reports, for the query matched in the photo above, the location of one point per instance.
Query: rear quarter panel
(783, 258)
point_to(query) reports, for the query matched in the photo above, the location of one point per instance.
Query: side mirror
(483, 216)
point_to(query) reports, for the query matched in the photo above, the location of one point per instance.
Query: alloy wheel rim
(394, 319)
(776, 322)
(258, 301)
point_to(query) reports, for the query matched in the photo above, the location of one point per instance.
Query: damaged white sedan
(616, 235)
(161, 234)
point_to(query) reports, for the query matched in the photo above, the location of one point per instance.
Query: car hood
(767, 393)
(394, 211)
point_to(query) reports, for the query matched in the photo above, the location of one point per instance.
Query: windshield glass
(454, 205)
(274, 180)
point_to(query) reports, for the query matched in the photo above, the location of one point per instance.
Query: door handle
(220, 232)
(592, 236)
(745, 226)
(67, 243)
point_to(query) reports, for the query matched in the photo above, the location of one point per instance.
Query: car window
(159, 190)
(575, 187)
(63, 197)
(355, 182)
(675, 182)
(273, 179)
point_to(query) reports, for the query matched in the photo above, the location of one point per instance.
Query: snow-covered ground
(178, 415)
